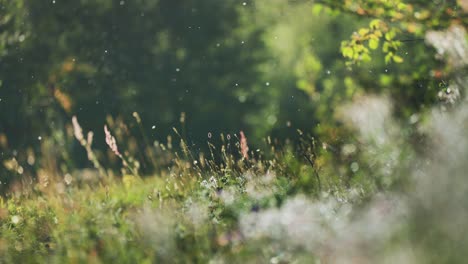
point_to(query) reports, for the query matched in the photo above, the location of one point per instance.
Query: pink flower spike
(90, 138)
(243, 145)
(77, 129)
(111, 142)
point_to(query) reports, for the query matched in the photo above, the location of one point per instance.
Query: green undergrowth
(138, 220)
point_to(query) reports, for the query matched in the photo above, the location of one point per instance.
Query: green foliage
(356, 51)
(393, 19)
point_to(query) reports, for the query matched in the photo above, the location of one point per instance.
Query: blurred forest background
(233, 131)
(207, 67)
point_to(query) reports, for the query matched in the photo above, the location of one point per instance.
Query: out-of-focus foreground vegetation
(207, 131)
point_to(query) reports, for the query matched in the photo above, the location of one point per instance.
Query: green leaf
(397, 59)
(347, 52)
(374, 24)
(388, 57)
(363, 31)
(386, 47)
(317, 9)
(401, 6)
(365, 57)
(390, 35)
(373, 43)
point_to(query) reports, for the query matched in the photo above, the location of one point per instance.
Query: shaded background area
(264, 67)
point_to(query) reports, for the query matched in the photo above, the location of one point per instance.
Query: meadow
(233, 132)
